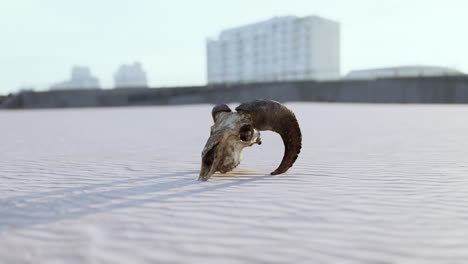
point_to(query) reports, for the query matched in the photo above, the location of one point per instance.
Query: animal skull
(233, 131)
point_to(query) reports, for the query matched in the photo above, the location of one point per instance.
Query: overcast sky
(40, 40)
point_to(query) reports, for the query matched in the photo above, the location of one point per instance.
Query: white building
(402, 71)
(130, 76)
(279, 49)
(81, 78)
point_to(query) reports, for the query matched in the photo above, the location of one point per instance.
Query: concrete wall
(449, 89)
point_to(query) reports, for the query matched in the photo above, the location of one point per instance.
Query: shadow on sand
(69, 203)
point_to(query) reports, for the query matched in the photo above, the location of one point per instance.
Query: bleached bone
(233, 131)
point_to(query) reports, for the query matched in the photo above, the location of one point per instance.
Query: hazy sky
(42, 39)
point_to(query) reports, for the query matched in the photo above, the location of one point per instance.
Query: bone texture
(218, 109)
(223, 150)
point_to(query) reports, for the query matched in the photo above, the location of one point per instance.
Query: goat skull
(233, 131)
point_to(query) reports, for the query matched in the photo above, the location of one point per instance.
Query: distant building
(81, 78)
(402, 71)
(130, 76)
(279, 49)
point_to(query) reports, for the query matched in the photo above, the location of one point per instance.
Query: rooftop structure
(402, 71)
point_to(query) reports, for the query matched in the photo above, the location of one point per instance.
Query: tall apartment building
(80, 78)
(279, 49)
(131, 75)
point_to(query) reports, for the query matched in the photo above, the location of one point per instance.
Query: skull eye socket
(246, 133)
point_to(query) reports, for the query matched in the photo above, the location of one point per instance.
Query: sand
(373, 184)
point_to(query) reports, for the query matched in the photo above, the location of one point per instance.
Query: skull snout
(209, 156)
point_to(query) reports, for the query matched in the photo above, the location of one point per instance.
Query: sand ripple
(373, 184)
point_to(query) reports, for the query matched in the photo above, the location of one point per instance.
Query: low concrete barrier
(446, 90)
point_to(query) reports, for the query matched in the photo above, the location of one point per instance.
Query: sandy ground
(373, 184)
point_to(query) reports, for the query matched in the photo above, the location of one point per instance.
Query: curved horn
(219, 108)
(271, 115)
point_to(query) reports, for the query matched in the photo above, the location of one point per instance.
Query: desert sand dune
(373, 184)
